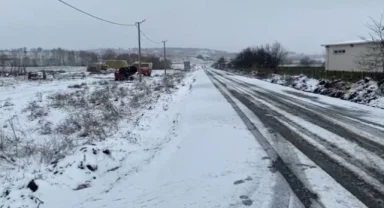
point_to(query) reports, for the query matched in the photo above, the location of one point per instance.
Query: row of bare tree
(39, 57)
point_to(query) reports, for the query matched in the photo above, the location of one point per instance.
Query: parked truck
(116, 64)
(96, 68)
(187, 65)
(146, 68)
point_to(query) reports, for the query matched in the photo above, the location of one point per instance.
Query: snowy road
(209, 159)
(335, 148)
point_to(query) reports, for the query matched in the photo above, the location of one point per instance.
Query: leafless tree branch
(373, 58)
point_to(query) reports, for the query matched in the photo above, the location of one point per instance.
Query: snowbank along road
(330, 151)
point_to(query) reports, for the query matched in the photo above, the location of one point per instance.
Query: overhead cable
(91, 15)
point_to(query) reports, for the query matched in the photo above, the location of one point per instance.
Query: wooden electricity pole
(139, 37)
(165, 58)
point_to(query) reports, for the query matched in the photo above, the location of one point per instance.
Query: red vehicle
(125, 73)
(146, 68)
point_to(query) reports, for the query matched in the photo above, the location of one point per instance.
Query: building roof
(360, 41)
(354, 42)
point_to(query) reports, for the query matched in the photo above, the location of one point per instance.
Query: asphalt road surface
(338, 140)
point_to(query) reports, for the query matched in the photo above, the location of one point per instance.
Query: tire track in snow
(364, 191)
(304, 194)
(369, 169)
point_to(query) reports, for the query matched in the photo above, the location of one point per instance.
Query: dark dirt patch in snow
(247, 202)
(92, 168)
(107, 152)
(248, 178)
(238, 182)
(244, 197)
(8, 103)
(33, 186)
(113, 169)
(82, 186)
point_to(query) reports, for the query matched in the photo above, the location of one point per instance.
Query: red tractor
(125, 73)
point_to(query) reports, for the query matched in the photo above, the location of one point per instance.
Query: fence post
(313, 73)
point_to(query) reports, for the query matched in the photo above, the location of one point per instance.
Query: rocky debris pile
(302, 82)
(277, 79)
(363, 91)
(335, 88)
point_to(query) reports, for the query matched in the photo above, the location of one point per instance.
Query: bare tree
(278, 53)
(109, 54)
(306, 61)
(373, 58)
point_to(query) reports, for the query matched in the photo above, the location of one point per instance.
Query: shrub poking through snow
(363, 91)
(8, 103)
(67, 134)
(35, 110)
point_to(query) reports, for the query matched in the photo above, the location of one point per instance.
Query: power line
(101, 19)
(150, 40)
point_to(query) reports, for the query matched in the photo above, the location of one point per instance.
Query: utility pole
(165, 59)
(139, 36)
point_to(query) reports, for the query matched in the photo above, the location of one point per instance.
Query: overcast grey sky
(300, 25)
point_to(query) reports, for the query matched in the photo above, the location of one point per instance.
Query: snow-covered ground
(184, 147)
(210, 159)
(178, 142)
(67, 140)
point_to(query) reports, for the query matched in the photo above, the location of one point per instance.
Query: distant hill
(177, 53)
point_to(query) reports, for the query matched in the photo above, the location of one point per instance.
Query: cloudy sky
(300, 25)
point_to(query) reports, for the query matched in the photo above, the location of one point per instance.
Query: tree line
(268, 56)
(39, 57)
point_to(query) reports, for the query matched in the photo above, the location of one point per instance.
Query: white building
(344, 56)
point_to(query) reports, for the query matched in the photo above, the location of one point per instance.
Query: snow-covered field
(70, 139)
